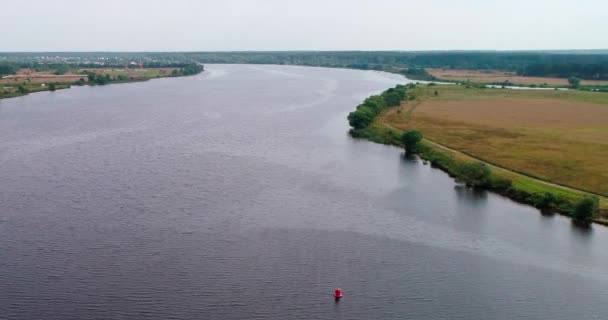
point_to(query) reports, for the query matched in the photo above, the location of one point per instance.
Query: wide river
(238, 194)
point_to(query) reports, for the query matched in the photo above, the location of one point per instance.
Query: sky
(243, 25)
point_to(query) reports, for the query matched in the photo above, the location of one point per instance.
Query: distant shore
(27, 81)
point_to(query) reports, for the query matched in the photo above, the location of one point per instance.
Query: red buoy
(338, 293)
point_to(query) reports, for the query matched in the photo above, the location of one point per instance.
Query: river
(238, 194)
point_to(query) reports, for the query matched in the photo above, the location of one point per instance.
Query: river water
(237, 194)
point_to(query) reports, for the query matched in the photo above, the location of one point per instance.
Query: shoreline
(54, 86)
(522, 188)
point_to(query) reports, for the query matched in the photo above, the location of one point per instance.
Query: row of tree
(102, 79)
(188, 69)
(511, 61)
(585, 65)
(365, 113)
(479, 175)
(7, 68)
(596, 71)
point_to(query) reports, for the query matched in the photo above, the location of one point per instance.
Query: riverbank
(439, 148)
(505, 77)
(27, 81)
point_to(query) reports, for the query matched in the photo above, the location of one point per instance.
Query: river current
(238, 194)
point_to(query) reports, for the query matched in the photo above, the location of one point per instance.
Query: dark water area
(237, 194)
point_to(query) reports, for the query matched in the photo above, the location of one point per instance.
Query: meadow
(496, 76)
(560, 137)
(28, 81)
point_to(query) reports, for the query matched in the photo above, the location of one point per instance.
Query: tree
(22, 89)
(391, 98)
(574, 82)
(475, 174)
(8, 68)
(360, 119)
(584, 209)
(544, 201)
(411, 139)
(91, 76)
(62, 69)
(52, 86)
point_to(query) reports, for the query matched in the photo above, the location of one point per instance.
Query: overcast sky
(189, 25)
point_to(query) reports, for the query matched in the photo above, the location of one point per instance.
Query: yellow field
(491, 76)
(557, 136)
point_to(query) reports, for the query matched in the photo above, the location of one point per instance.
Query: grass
(503, 126)
(136, 73)
(556, 136)
(493, 76)
(521, 188)
(34, 82)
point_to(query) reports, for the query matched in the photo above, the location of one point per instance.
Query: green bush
(584, 209)
(365, 113)
(476, 174)
(411, 139)
(542, 201)
(501, 184)
(22, 89)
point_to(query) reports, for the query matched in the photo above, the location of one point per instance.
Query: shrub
(411, 139)
(501, 184)
(372, 106)
(584, 209)
(475, 174)
(542, 201)
(23, 89)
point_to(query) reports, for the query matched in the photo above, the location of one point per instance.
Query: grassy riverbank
(452, 143)
(504, 77)
(29, 81)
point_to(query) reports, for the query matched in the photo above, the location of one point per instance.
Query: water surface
(237, 194)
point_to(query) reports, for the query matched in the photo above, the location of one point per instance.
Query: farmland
(494, 76)
(26, 80)
(31, 76)
(556, 136)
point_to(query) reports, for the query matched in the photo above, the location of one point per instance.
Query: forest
(589, 64)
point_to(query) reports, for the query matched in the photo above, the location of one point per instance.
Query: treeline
(103, 79)
(417, 74)
(511, 61)
(365, 113)
(583, 71)
(478, 175)
(545, 64)
(188, 69)
(7, 68)
(581, 64)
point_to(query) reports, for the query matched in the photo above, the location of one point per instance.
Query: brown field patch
(493, 76)
(31, 76)
(42, 78)
(557, 136)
